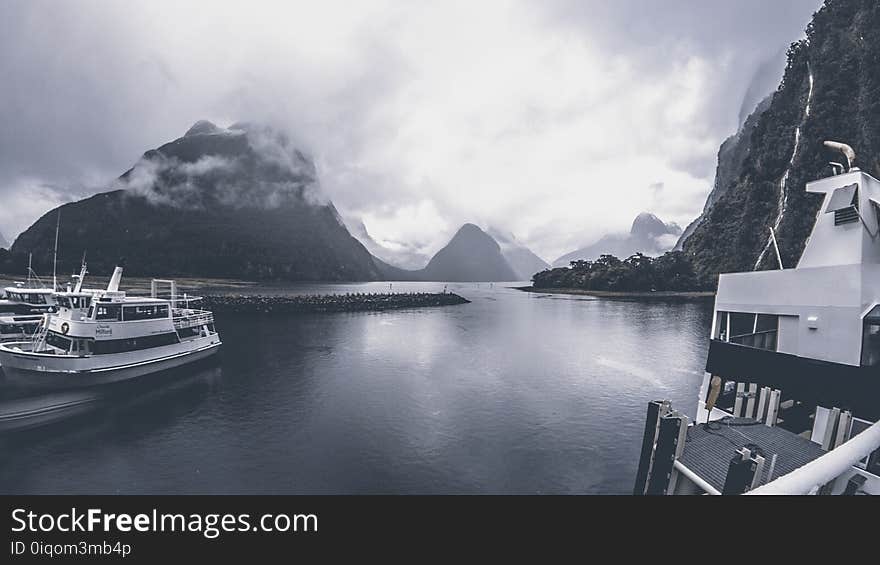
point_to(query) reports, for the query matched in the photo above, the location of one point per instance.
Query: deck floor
(708, 452)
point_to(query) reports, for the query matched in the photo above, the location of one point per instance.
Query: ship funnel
(113, 285)
(844, 149)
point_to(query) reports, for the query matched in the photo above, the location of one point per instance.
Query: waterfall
(783, 182)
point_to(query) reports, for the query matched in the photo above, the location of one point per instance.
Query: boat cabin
(793, 369)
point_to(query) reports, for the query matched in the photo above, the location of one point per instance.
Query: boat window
(741, 324)
(111, 312)
(871, 338)
(35, 299)
(148, 312)
(59, 341)
(751, 329)
(104, 346)
(80, 301)
(721, 330)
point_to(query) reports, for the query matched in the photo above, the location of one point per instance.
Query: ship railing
(825, 470)
(186, 318)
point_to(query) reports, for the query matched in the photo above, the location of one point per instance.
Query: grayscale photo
(387, 247)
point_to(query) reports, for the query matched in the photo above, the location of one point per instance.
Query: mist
(552, 121)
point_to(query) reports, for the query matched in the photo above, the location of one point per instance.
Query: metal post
(843, 428)
(750, 403)
(830, 428)
(740, 472)
(773, 408)
(738, 403)
(762, 403)
(664, 455)
(656, 410)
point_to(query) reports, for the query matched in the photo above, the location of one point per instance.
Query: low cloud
(547, 119)
(274, 174)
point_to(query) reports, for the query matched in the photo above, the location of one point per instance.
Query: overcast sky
(558, 120)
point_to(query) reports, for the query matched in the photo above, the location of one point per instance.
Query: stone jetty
(350, 302)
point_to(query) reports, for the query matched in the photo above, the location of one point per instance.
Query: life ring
(65, 327)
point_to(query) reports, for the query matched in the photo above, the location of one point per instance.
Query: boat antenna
(55, 256)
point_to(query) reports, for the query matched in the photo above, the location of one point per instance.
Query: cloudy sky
(558, 120)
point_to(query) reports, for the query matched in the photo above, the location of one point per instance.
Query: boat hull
(47, 371)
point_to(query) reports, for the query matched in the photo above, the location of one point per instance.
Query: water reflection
(512, 393)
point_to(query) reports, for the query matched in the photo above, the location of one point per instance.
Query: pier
(309, 303)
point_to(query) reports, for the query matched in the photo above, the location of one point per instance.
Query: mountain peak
(647, 223)
(471, 255)
(471, 229)
(202, 127)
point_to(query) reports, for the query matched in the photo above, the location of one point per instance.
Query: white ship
(22, 308)
(790, 401)
(103, 336)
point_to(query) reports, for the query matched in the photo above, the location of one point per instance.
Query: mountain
(731, 156)
(522, 259)
(648, 235)
(402, 256)
(470, 256)
(239, 202)
(830, 91)
(3, 243)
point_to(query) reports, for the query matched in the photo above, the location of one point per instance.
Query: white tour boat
(22, 308)
(790, 400)
(103, 336)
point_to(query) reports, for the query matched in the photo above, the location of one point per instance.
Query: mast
(82, 274)
(55, 257)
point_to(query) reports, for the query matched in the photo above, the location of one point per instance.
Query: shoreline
(689, 294)
(320, 303)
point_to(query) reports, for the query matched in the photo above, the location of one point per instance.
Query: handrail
(695, 478)
(827, 467)
(190, 318)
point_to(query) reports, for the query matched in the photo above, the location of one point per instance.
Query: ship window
(753, 330)
(56, 340)
(149, 312)
(721, 330)
(871, 338)
(106, 346)
(110, 312)
(80, 301)
(741, 324)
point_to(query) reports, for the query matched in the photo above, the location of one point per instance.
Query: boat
(21, 313)
(103, 336)
(22, 308)
(790, 397)
(17, 328)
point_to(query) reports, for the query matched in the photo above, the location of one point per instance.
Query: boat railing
(187, 318)
(826, 469)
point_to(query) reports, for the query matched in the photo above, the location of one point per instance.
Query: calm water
(514, 393)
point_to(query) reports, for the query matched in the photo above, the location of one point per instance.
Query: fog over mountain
(558, 121)
(240, 202)
(648, 235)
(402, 255)
(521, 259)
